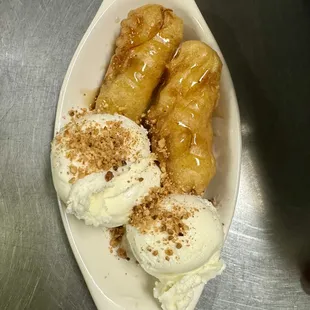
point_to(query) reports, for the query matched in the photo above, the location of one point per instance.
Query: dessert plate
(115, 283)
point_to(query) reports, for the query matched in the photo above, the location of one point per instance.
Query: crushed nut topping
(169, 252)
(122, 253)
(94, 148)
(179, 245)
(155, 253)
(116, 235)
(150, 217)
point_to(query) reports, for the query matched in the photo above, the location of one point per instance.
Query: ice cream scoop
(102, 167)
(184, 261)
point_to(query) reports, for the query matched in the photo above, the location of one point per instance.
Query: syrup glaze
(148, 40)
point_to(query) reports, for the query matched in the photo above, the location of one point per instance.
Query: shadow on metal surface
(279, 136)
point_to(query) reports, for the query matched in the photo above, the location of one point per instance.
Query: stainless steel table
(267, 46)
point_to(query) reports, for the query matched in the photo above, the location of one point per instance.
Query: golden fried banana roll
(148, 40)
(180, 119)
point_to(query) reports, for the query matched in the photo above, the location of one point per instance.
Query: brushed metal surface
(266, 45)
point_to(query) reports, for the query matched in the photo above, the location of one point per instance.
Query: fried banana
(180, 119)
(148, 40)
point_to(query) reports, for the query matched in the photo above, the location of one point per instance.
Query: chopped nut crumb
(122, 253)
(116, 235)
(92, 106)
(73, 169)
(81, 175)
(140, 179)
(178, 245)
(155, 253)
(76, 114)
(170, 231)
(167, 258)
(150, 216)
(114, 243)
(169, 252)
(109, 176)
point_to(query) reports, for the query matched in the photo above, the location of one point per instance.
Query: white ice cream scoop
(94, 198)
(195, 259)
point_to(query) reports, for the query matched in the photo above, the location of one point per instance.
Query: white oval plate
(113, 283)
